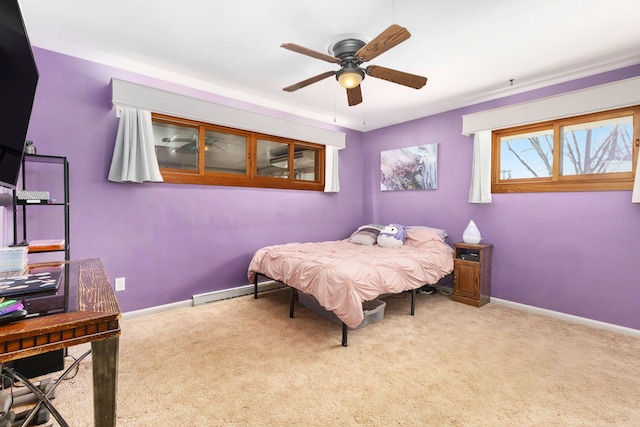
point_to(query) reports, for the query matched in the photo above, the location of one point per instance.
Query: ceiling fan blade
(308, 81)
(392, 36)
(310, 52)
(354, 96)
(175, 139)
(394, 76)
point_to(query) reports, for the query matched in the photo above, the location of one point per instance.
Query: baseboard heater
(235, 292)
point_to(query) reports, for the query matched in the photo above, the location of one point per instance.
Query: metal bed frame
(345, 329)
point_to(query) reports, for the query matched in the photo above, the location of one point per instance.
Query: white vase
(471, 234)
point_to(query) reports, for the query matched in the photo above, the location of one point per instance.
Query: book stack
(46, 245)
(13, 258)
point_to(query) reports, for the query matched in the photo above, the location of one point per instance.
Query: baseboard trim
(568, 317)
(156, 309)
(270, 285)
(234, 292)
(205, 298)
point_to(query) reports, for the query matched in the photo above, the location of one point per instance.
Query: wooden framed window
(584, 153)
(191, 152)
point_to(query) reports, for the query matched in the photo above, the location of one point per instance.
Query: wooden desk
(92, 316)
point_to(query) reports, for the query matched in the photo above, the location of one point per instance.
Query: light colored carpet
(244, 362)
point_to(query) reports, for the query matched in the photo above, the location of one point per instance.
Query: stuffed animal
(393, 235)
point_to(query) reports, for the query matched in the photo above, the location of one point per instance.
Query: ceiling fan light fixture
(349, 77)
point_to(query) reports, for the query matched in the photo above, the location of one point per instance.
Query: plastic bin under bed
(373, 310)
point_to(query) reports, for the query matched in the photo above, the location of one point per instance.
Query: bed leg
(291, 300)
(345, 331)
(413, 302)
(255, 286)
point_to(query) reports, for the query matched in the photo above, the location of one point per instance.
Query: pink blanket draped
(342, 275)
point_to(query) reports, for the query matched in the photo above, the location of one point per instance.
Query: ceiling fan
(190, 145)
(350, 53)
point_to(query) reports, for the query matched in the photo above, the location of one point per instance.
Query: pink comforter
(342, 275)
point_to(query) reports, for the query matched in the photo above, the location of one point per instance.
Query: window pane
(273, 158)
(225, 152)
(304, 164)
(603, 146)
(191, 152)
(528, 155)
(176, 146)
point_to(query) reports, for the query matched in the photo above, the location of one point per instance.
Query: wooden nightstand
(472, 274)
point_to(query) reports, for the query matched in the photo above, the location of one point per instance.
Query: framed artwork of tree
(411, 168)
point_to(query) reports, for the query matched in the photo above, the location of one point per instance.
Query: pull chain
(334, 106)
(364, 115)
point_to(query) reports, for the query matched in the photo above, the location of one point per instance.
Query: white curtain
(480, 191)
(134, 157)
(635, 196)
(331, 182)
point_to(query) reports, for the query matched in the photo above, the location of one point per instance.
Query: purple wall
(169, 241)
(569, 252)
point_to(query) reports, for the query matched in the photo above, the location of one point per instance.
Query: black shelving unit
(43, 173)
(43, 204)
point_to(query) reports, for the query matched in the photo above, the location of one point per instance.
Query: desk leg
(105, 381)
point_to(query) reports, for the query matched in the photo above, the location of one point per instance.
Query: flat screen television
(18, 81)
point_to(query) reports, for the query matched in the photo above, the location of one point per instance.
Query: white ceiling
(468, 49)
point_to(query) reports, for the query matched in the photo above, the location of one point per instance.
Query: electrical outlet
(119, 284)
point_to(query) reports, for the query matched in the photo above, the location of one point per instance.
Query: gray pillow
(366, 234)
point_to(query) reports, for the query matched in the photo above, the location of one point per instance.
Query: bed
(341, 275)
